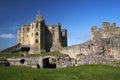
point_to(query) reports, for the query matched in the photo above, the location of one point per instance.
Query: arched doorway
(22, 61)
(49, 62)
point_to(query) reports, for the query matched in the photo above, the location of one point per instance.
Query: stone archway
(22, 61)
(49, 62)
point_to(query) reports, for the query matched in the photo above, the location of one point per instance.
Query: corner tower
(38, 35)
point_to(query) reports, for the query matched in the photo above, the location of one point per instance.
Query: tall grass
(85, 72)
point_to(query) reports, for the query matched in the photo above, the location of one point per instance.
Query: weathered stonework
(103, 47)
(41, 37)
(42, 61)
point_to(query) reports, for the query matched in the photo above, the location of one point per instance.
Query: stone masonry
(41, 37)
(103, 47)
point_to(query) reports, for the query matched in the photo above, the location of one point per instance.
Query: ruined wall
(33, 62)
(92, 52)
(42, 61)
(115, 48)
(64, 61)
(103, 46)
(112, 34)
(72, 51)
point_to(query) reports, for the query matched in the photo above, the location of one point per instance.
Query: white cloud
(7, 35)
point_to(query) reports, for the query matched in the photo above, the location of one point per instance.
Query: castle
(103, 47)
(40, 37)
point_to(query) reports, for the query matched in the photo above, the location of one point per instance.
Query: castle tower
(105, 25)
(114, 25)
(93, 32)
(64, 37)
(56, 38)
(38, 43)
(40, 37)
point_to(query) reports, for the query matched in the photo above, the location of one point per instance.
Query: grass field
(85, 72)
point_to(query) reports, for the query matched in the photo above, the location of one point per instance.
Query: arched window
(36, 41)
(36, 33)
(37, 26)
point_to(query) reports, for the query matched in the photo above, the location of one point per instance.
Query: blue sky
(77, 16)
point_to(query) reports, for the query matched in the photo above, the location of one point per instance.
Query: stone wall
(65, 61)
(72, 51)
(40, 62)
(93, 52)
(115, 48)
(29, 62)
(103, 46)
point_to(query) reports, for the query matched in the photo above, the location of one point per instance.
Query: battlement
(114, 24)
(106, 31)
(105, 24)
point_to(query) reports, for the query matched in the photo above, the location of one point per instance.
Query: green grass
(47, 54)
(85, 72)
(17, 54)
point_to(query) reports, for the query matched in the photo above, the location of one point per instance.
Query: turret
(64, 37)
(113, 24)
(56, 38)
(38, 32)
(38, 17)
(105, 25)
(93, 32)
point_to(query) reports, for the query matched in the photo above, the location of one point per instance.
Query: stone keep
(41, 37)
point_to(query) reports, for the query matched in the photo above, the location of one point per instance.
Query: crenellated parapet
(106, 31)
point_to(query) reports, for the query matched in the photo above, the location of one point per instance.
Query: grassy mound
(47, 54)
(18, 54)
(85, 72)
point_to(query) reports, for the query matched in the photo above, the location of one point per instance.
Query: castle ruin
(104, 44)
(103, 47)
(40, 37)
